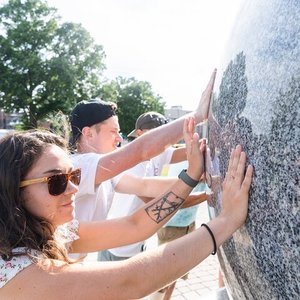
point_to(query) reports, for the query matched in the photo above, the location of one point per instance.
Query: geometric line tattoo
(164, 207)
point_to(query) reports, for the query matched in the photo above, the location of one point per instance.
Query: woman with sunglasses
(37, 226)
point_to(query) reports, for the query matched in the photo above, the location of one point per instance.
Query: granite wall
(257, 104)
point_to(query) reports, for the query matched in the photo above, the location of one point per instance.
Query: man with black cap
(95, 130)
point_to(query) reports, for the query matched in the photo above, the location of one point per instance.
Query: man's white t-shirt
(160, 160)
(92, 202)
(126, 204)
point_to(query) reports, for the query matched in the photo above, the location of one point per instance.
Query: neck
(85, 148)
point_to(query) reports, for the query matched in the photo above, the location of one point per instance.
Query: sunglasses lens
(57, 184)
(75, 177)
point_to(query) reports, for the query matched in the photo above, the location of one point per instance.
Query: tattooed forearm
(163, 207)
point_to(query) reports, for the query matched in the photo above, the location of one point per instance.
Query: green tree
(133, 98)
(45, 66)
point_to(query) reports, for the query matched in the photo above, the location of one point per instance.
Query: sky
(173, 44)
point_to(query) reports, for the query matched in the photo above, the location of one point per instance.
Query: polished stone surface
(257, 104)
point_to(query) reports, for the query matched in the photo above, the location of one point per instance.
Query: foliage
(133, 98)
(45, 67)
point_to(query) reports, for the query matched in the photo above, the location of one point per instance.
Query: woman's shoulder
(10, 268)
(65, 234)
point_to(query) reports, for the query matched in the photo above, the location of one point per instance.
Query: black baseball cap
(89, 113)
(148, 120)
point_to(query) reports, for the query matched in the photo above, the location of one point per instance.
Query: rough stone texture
(257, 104)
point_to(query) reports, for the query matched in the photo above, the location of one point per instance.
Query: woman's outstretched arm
(147, 271)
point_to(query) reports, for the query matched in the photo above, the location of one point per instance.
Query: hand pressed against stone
(236, 187)
(204, 104)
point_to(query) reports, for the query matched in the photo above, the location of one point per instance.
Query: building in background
(175, 112)
(9, 121)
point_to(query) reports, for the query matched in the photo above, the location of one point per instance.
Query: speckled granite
(257, 104)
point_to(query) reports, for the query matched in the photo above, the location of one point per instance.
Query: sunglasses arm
(33, 181)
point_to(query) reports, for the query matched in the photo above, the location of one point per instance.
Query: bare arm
(141, 225)
(191, 200)
(138, 276)
(134, 278)
(142, 149)
(147, 220)
(179, 154)
(195, 199)
(144, 186)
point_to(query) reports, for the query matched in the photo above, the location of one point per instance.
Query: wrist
(222, 229)
(187, 178)
(232, 222)
(194, 174)
(198, 117)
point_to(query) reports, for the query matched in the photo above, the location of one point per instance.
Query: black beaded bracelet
(187, 179)
(213, 238)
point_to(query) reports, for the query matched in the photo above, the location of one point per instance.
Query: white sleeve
(115, 180)
(88, 163)
(162, 159)
(67, 233)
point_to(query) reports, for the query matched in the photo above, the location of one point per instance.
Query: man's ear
(139, 132)
(86, 132)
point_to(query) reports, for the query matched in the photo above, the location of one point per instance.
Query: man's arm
(179, 155)
(191, 200)
(147, 188)
(144, 186)
(195, 199)
(151, 143)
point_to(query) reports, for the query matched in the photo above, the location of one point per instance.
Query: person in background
(95, 132)
(38, 184)
(126, 204)
(171, 155)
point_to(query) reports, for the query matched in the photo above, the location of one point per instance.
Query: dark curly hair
(18, 227)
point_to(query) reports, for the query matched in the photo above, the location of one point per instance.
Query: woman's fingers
(248, 179)
(236, 170)
(236, 159)
(233, 162)
(240, 172)
(236, 166)
(230, 163)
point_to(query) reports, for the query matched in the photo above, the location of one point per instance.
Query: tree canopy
(45, 66)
